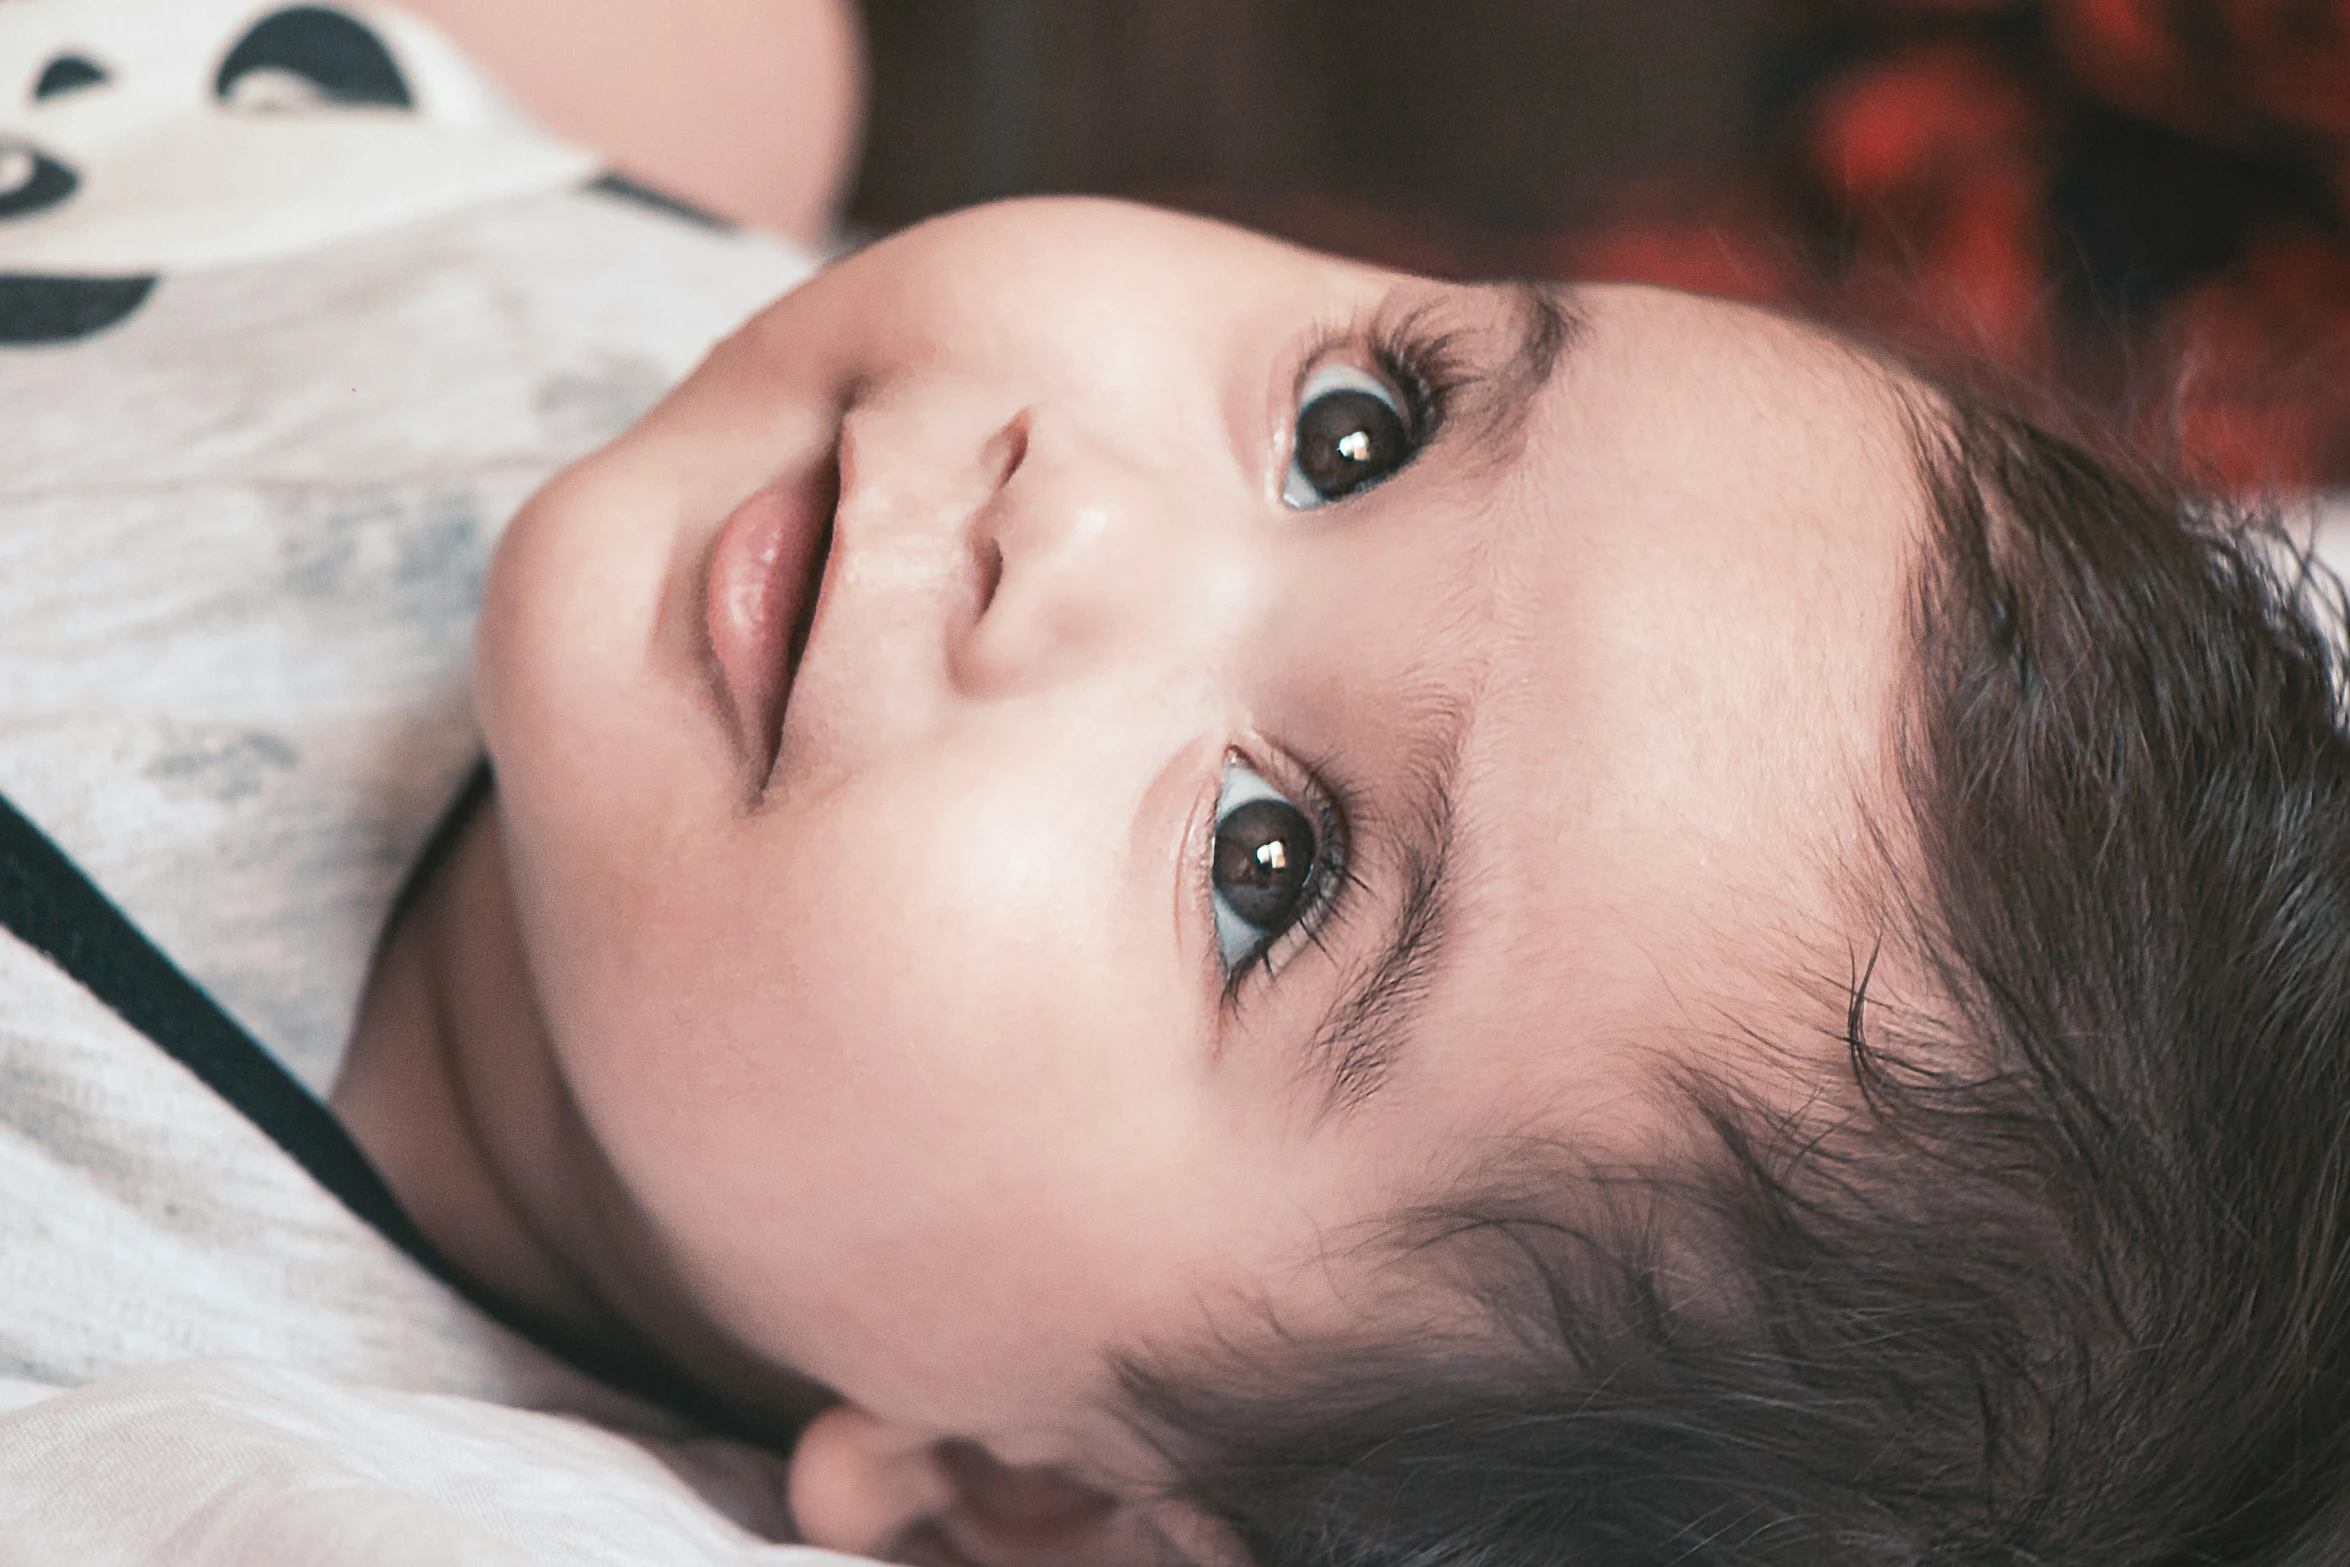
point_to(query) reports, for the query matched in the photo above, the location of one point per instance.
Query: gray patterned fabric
(241, 539)
(242, 535)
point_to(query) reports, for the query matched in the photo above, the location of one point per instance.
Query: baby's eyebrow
(1547, 326)
(1369, 1019)
(1372, 1015)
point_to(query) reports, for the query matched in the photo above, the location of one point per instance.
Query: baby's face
(1269, 731)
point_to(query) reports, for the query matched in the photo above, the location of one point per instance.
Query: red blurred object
(2129, 53)
(1935, 162)
(2295, 60)
(1920, 206)
(1936, 165)
(2227, 70)
(1895, 128)
(2263, 357)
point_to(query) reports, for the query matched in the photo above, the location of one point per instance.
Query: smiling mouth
(766, 577)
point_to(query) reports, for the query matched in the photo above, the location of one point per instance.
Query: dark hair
(2065, 1277)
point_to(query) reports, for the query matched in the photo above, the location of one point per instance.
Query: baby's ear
(862, 1485)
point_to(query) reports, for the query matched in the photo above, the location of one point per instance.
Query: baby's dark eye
(1352, 431)
(1264, 867)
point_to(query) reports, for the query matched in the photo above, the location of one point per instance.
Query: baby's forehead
(1707, 562)
(1775, 419)
(1720, 509)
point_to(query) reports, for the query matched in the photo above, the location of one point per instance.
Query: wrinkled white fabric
(174, 174)
(226, 1463)
(243, 528)
(242, 536)
(142, 1220)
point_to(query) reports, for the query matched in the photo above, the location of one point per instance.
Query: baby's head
(1268, 906)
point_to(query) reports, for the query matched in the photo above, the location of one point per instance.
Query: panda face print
(309, 57)
(67, 73)
(31, 181)
(139, 138)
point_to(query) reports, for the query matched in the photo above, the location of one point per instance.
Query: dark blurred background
(2141, 201)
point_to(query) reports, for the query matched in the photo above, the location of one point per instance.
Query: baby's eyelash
(1426, 366)
(1427, 369)
(1335, 888)
(1423, 364)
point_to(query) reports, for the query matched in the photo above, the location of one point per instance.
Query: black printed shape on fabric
(621, 187)
(337, 57)
(31, 181)
(36, 310)
(67, 73)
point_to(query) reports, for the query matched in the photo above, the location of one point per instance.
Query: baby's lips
(766, 574)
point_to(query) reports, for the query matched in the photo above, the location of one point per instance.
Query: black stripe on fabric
(623, 188)
(51, 906)
(472, 795)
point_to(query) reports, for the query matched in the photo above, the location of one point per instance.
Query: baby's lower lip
(765, 576)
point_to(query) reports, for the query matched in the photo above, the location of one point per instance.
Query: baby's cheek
(907, 1041)
(967, 916)
(981, 983)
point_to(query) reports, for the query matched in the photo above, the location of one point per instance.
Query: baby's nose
(1091, 550)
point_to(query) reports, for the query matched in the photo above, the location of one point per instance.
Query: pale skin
(747, 108)
(897, 1072)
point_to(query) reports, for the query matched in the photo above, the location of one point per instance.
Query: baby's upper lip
(766, 574)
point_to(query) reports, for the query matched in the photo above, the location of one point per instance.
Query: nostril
(987, 559)
(1010, 447)
(1005, 451)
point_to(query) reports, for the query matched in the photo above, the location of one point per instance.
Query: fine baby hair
(2052, 1270)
